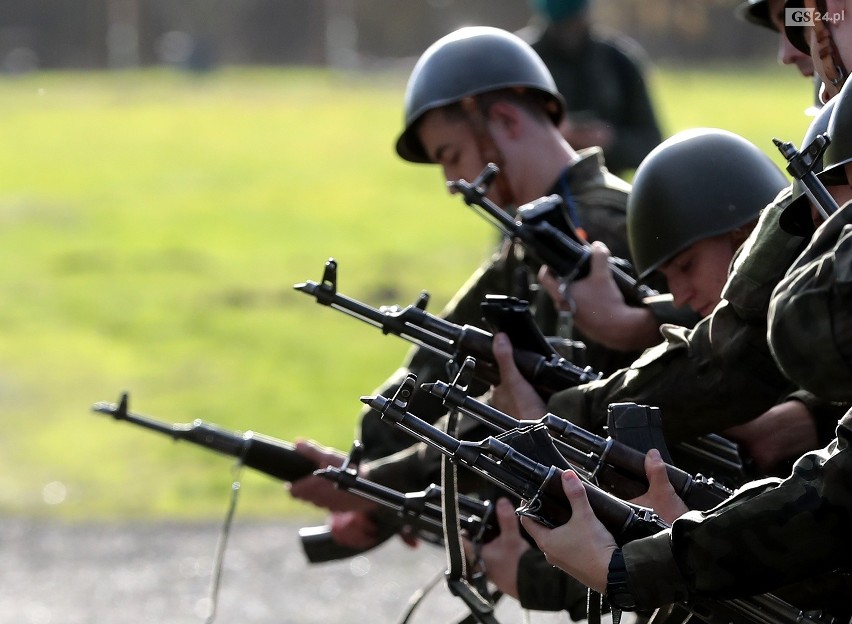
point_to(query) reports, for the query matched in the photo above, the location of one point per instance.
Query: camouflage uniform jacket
(767, 537)
(811, 313)
(721, 372)
(599, 200)
(775, 533)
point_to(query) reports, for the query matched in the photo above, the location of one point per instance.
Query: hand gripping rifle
(614, 466)
(800, 165)
(544, 231)
(539, 363)
(419, 510)
(511, 461)
(276, 458)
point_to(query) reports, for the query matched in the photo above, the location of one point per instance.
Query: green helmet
(755, 12)
(697, 184)
(796, 217)
(467, 62)
(839, 151)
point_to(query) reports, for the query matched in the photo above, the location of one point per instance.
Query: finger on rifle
(322, 455)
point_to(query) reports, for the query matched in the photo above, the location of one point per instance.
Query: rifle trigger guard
(532, 507)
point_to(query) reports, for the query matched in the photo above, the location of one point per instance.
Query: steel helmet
(796, 217)
(755, 12)
(471, 61)
(697, 184)
(839, 151)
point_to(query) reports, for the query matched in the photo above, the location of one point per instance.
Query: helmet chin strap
(833, 67)
(488, 150)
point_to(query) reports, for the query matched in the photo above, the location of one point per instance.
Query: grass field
(152, 225)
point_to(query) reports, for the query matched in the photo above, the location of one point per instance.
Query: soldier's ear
(507, 117)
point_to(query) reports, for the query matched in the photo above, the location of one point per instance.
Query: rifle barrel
(271, 456)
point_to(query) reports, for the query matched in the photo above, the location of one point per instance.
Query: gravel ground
(57, 573)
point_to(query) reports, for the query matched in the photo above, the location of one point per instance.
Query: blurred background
(168, 171)
(201, 34)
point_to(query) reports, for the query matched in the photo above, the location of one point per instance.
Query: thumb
(655, 470)
(600, 256)
(504, 354)
(575, 492)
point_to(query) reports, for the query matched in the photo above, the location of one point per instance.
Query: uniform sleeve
(542, 587)
(716, 375)
(768, 536)
(810, 321)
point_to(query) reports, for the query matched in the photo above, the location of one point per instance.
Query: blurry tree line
(201, 34)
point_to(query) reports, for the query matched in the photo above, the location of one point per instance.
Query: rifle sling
(474, 596)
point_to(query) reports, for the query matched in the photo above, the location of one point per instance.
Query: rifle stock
(548, 372)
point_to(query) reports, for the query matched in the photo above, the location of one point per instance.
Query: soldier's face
(841, 36)
(450, 143)
(788, 54)
(697, 274)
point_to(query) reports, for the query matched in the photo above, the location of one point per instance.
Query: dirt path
(54, 573)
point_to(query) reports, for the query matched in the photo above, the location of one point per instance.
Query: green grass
(152, 225)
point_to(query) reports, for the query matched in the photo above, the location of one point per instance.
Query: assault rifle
(551, 238)
(614, 466)
(419, 510)
(276, 458)
(513, 461)
(800, 165)
(538, 362)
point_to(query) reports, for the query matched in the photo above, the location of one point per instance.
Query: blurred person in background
(601, 75)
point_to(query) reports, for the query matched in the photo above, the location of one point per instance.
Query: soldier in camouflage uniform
(771, 534)
(695, 200)
(476, 96)
(462, 85)
(720, 373)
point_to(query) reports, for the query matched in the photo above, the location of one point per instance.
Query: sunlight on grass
(152, 226)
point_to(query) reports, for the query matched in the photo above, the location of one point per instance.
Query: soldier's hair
(532, 101)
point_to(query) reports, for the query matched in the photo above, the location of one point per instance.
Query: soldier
(617, 113)
(827, 38)
(770, 15)
(481, 95)
(695, 199)
(689, 235)
(772, 533)
(716, 376)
